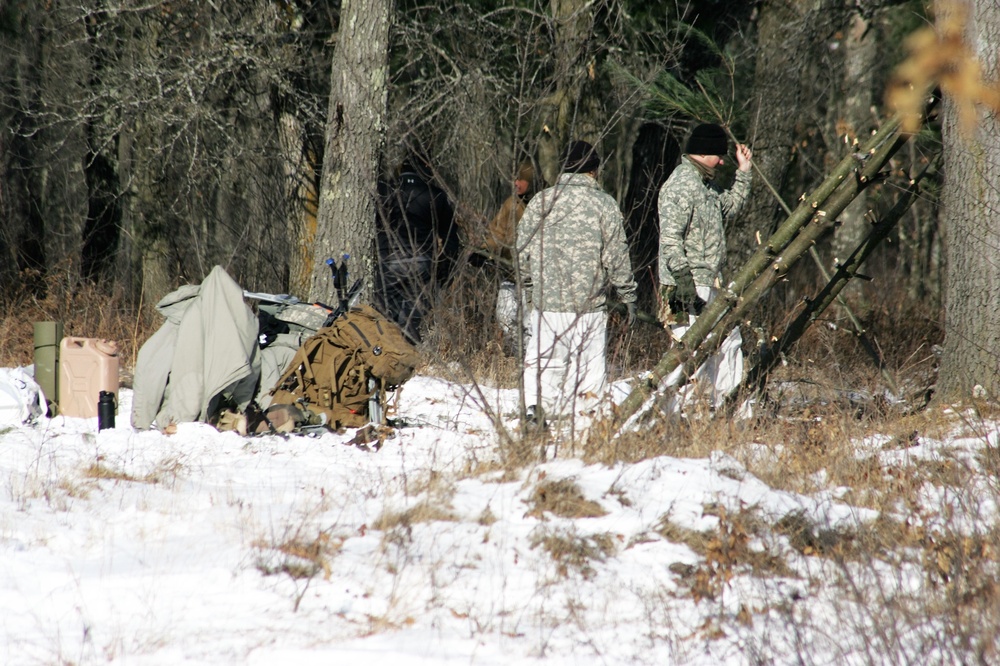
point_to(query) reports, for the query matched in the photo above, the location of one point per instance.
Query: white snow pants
(507, 308)
(564, 362)
(721, 372)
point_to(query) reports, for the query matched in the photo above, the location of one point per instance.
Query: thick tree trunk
(355, 125)
(476, 152)
(301, 194)
(20, 228)
(785, 73)
(971, 205)
(144, 258)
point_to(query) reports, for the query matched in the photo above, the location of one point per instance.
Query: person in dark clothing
(417, 242)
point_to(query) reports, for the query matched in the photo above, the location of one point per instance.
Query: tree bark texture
(302, 193)
(566, 114)
(784, 74)
(355, 123)
(851, 118)
(971, 207)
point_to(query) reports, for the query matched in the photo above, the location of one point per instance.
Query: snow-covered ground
(202, 547)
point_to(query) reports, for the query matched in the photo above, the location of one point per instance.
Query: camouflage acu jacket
(692, 217)
(571, 244)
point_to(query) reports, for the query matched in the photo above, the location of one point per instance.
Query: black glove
(685, 297)
(630, 317)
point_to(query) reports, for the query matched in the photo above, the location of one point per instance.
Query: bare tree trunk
(301, 193)
(971, 204)
(851, 119)
(786, 85)
(475, 151)
(59, 170)
(144, 257)
(566, 114)
(20, 229)
(355, 125)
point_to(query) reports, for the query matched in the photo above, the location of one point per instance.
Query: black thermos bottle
(105, 410)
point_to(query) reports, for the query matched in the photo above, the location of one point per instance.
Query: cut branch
(770, 354)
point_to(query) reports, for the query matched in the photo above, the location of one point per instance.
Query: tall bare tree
(359, 79)
(971, 204)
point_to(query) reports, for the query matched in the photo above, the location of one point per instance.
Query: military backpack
(341, 369)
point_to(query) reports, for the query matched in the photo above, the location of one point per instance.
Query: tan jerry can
(87, 366)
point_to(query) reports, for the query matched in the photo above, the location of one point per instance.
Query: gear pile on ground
(287, 368)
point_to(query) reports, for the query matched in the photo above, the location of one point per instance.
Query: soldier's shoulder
(684, 178)
(606, 199)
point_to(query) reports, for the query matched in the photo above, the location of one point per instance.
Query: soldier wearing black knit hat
(581, 157)
(693, 210)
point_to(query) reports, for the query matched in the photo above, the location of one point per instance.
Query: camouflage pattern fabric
(692, 217)
(571, 244)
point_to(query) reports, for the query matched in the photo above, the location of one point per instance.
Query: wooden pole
(770, 354)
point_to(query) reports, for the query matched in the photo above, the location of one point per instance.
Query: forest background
(145, 142)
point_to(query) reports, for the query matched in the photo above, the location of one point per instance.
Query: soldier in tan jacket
(501, 234)
(502, 229)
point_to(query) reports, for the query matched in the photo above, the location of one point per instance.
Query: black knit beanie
(581, 157)
(707, 139)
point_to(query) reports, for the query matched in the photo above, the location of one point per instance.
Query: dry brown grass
(571, 551)
(465, 331)
(422, 512)
(725, 551)
(563, 498)
(86, 310)
(103, 472)
(166, 471)
(297, 556)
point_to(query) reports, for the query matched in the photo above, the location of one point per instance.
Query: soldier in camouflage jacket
(693, 210)
(571, 243)
(571, 249)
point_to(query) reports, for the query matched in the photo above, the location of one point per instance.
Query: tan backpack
(340, 368)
